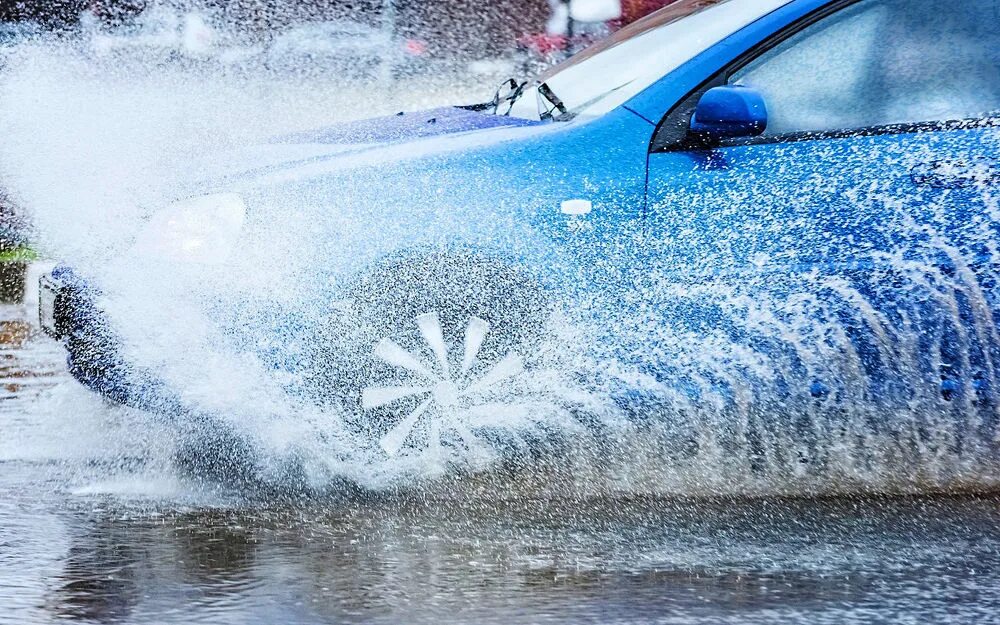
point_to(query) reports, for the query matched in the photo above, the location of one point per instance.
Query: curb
(19, 287)
(13, 279)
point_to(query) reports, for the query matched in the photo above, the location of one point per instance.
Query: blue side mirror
(729, 111)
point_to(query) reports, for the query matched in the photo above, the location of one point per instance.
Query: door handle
(956, 173)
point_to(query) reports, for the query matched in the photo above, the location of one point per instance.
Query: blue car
(763, 230)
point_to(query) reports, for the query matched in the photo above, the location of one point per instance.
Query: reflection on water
(623, 561)
(97, 534)
(26, 372)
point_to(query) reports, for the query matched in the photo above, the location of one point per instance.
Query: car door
(850, 249)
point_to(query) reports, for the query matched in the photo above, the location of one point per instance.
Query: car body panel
(867, 217)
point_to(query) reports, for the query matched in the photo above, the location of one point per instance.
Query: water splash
(768, 384)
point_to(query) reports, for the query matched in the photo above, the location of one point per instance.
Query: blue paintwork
(768, 216)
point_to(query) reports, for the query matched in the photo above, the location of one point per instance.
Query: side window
(882, 62)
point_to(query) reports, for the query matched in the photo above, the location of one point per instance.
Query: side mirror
(729, 111)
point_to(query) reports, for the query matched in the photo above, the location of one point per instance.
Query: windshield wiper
(514, 92)
(547, 112)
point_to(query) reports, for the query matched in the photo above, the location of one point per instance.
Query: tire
(422, 339)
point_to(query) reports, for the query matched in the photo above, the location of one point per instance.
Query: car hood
(365, 142)
(406, 126)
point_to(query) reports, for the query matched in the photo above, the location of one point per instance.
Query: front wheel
(445, 399)
(451, 359)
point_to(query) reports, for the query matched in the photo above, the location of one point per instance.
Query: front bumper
(52, 307)
(68, 311)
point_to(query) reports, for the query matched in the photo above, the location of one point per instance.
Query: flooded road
(96, 528)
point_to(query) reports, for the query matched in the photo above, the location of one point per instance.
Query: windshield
(666, 15)
(611, 71)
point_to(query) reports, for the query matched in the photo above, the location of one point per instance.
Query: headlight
(201, 229)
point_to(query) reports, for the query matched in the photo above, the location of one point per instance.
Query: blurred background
(463, 28)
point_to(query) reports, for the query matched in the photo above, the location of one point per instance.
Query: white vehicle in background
(572, 26)
(345, 47)
(158, 32)
(162, 34)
